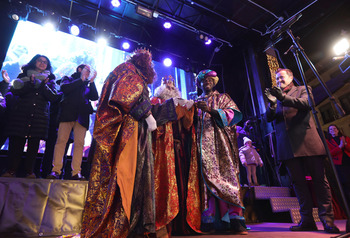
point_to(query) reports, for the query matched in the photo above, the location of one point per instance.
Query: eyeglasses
(42, 61)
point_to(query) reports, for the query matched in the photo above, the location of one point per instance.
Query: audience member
(28, 118)
(219, 159)
(74, 113)
(301, 149)
(250, 159)
(339, 146)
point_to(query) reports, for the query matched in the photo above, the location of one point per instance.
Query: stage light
(20, 11)
(208, 42)
(115, 3)
(144, 11)
(167, 25)
(74, 30)
(125, 45)
(102, 41)
(341, 47)
(167, 62)
(49, 26)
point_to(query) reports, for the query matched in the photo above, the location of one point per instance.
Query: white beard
(164, 93)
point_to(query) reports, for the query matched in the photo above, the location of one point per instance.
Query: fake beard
(164, 93)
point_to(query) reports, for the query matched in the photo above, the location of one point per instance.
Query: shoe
(78, 176)
(238, 227)
(329, 227)
(31, 176)
(53, 175)
(303, 226)
(8, 174)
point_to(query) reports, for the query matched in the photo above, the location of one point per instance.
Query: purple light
(167, 62)
(126, 45)
(208, 42)
(115, 3)
(167, 25)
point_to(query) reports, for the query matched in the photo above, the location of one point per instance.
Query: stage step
(262, 192)
(283, 204)
(295, 214)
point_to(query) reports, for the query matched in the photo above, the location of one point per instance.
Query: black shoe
(78, 176)
(53, 175)
(31, 176)
(303, 226)
(238, 227)
(329, 227)
(9, 174)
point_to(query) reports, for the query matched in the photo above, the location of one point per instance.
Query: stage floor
(272, 230)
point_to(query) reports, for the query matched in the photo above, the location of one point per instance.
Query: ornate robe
(176, 172)
(120, 200)
(217, 143)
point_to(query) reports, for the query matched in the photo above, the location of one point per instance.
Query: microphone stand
(296, 48)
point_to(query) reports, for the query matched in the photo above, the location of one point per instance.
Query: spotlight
(167, 62)
(341, 47)
(167, 25)
(19, 12)
(74, 30)
(208, 42)
(115, 3)
(125, 45)
(144, 11)
(49, 26)
(102, 41)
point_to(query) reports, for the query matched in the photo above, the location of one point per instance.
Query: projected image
(66, 52)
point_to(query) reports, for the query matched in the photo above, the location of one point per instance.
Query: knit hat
(246, 139)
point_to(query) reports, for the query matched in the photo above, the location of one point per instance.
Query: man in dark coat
(75, 112)
(301, 149)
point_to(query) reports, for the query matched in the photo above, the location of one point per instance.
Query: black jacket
(29, 110)
(75, 103)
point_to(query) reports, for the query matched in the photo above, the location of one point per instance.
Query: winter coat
(296, 132)
(75, 104)
(29, 111)
(250, 156)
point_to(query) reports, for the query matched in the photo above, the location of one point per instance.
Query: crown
(168, 79)
(142, 51)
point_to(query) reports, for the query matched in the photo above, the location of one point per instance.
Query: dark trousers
(16, 146)
(300, 167)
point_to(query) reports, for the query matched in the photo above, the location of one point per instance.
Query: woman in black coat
(29, 115)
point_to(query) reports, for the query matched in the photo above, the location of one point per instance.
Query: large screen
(66, 52)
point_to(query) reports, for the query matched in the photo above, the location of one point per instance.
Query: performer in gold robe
(219, 159)
(120, 200)
(176, 168)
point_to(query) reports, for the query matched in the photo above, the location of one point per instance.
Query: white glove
(151, 122)
(189, 104)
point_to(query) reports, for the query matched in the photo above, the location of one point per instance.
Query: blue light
(167, 25)
(167, 62)
(115, 3)
(126, 45)
(74, 30)
(208, 42)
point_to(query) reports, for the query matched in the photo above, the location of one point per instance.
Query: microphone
(285, 26)
(193, 93)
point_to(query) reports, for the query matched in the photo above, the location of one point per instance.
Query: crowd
(164, 165)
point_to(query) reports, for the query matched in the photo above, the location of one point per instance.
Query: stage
(53, 208)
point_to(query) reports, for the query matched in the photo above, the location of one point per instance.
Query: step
(262, 192)
(295, 214)
(283, 204)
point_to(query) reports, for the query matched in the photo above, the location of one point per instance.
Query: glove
(151, 122)
(278, 93)
(272, 99)
(189, 104)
